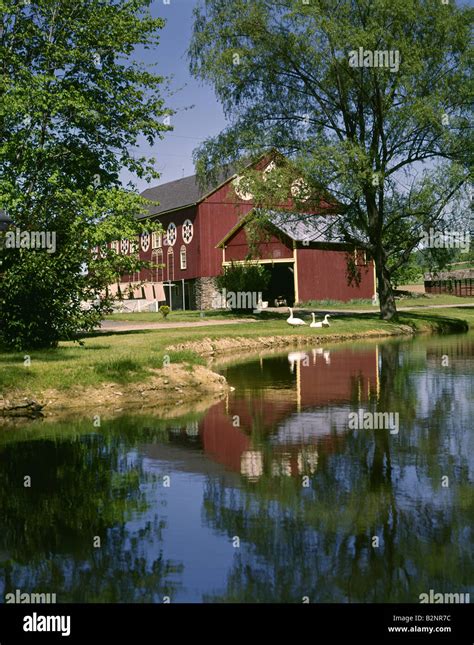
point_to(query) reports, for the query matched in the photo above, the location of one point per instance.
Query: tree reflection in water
(80, 489)
(296, 541)
(318, 542)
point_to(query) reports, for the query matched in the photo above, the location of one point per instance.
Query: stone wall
(205, 291)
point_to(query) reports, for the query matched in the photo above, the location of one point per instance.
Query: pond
(287, 490)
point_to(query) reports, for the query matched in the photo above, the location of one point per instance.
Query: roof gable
(299, 227)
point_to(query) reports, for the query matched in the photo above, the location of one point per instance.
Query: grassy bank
(129, 357)
(316, 305)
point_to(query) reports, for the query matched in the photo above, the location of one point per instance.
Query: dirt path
(126, 325)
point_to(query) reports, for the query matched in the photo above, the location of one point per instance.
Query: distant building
(455, 283)
(5, 221)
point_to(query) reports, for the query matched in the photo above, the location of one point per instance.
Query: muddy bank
(173, 390)
(210, 347)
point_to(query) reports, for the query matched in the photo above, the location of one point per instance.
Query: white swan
(314, 323)
(321, 323)
(294, 321)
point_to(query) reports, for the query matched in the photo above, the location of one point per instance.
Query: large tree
(74, 103)
(389, 142)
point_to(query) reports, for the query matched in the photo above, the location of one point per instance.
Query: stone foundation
(205, 291)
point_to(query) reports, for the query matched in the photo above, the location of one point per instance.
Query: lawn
(127, 356)
(321, 305)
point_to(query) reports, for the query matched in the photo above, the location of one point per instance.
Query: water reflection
(275, 420)
(321, 510)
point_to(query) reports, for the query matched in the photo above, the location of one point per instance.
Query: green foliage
(408, 273)
(164, 310)
(390, 145)
(73, 107)
(244, 278)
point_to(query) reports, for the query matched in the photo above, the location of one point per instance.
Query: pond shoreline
(209, 347)
(181, 386)
(174, 389)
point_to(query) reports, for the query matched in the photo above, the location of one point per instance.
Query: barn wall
(216, 215)
(322, 276)
(237, 248)
(192, 249)
(454, 287)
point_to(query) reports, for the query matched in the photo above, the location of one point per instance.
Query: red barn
(307, 259)
(194, 221)
(204, 230)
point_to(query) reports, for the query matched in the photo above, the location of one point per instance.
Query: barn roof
(459, 274)
(188, 191)
(300, 227)
(181, 193)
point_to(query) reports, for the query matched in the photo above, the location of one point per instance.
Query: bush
(244, 278)
(164, 310)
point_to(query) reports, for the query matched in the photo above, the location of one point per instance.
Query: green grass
(128, 356)
(312, 305)
(418, 301)
(174, 316)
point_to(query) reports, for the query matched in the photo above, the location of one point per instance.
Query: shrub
(164, 310)
(244, 278)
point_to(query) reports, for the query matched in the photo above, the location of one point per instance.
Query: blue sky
(173, 153)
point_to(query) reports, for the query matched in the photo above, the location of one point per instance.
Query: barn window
(156, 240)
(170, 265)
(145, 241)
(171, 234)
(182, 258)
(134, 244)
(187, 231)
(124, 246)
(157, 258)
(115, 246)
(360, 257)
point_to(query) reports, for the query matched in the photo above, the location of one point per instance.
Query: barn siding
(192, 249)
(217, 214)
(237, 248)
(322, 276)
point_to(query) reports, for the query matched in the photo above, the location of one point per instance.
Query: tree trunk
(388, 307)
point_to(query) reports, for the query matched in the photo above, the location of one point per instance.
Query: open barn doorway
(281, 288)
